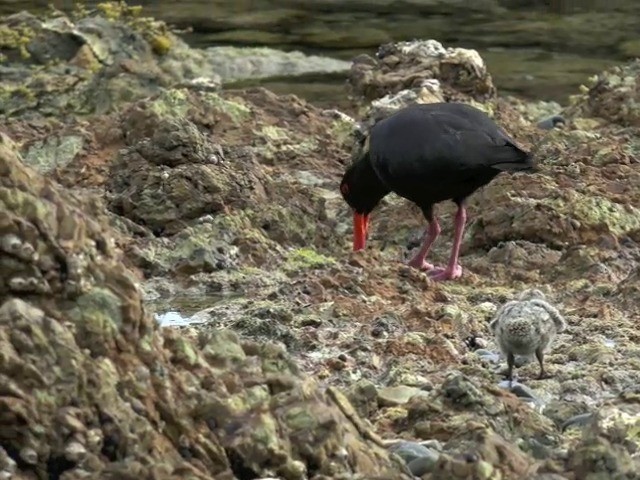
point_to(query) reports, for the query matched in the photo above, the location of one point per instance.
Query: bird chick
(526, 326)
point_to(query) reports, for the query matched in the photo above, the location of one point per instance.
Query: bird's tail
(510, 158)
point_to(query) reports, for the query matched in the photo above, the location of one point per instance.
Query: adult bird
(429, 153)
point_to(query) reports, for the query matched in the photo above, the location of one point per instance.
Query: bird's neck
(370, 187)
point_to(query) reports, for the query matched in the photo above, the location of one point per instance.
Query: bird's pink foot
(441, 274)
(420, 264)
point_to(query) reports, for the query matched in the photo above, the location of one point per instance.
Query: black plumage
(429, 153)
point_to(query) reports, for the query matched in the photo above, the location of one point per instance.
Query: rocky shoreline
(133, 182)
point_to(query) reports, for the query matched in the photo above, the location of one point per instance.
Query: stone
(399, 395)
(90, 355)
(410, 451)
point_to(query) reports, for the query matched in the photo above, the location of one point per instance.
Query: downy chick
(526, 326)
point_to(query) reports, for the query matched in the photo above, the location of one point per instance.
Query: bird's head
(362, 190)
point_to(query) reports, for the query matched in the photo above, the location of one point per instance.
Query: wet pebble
(410, 451)
(479, 342)
(520, 390)
(551, 122)
(577, 421)
(422, 465)
(488, 355)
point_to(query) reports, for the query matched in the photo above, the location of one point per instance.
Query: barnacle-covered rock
(92, 387)
(454, 73)
(611, 95)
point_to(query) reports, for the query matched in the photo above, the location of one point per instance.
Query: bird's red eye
(344, 188)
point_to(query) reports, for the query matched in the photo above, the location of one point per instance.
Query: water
(173, 318)
(538, 51)
(178, 310)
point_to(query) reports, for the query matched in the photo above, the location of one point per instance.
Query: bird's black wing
(420, 147)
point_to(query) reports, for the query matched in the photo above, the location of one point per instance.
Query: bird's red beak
(360, 228)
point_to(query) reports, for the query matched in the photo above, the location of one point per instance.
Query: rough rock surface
(89, 384)
(406, 65)
(611, 96)
(94, 61)
(227, 202)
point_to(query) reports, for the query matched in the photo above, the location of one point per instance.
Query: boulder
(611, 95)
(90, 386)
(456, 72)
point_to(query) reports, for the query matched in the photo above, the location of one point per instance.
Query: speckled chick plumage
(526, 326)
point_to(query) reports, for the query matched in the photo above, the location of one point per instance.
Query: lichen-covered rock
(459, 400)
(153, 180)
(460, 73)
(611, 95)
(609, 443)
(484, 455)
(96, 60)
(240, 160)
(92, 387)
(569, 202)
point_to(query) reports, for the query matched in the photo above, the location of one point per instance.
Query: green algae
(223, 345)
(235, 108)
(342, 131)
(306, 259)
(248, 399)
(171, 103)
(45, 155)
(185, 352)
(16, 38)
(98, 316)
(27, 205)
(280, 143)
(155, 32)
(596, 210)
(176, 102)
(273, 132)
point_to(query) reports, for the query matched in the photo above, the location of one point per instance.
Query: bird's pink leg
(453, 269)
(430, 234)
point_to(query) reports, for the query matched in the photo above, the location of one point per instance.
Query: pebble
(410, 451)
(422, 465)
(577, 421)
(551, 122)
(29, 456)
(95, 439)
(395, 396)
(488, 355)
(75, 451)
(336, 364)
(519, 390)
(432, 444)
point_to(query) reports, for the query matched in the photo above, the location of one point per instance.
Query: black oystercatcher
(428, 153)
